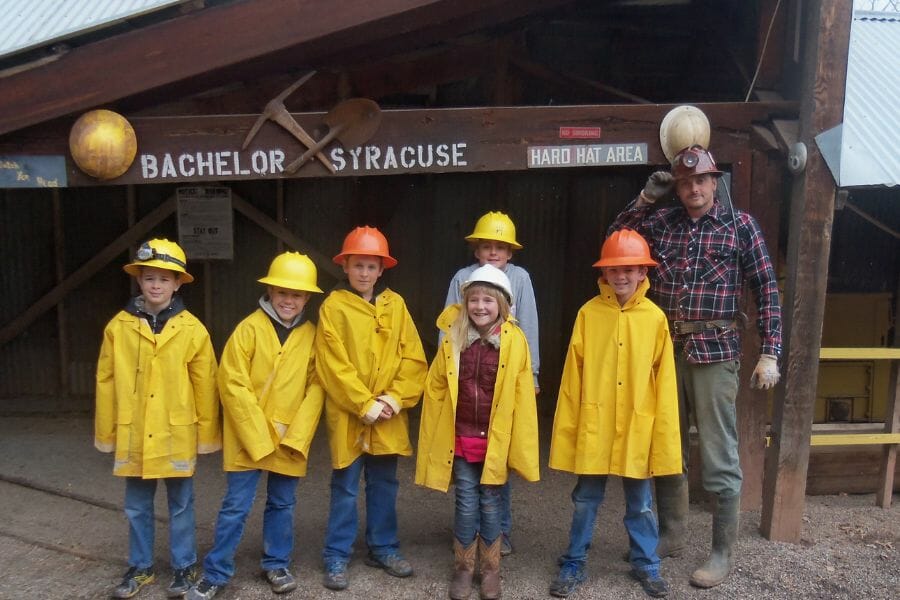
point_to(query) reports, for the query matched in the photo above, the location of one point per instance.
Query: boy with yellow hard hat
(157, 408)
(272, 402)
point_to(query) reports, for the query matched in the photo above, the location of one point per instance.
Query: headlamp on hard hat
(695, 160)
(147, 252)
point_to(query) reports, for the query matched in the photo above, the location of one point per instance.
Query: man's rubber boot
(672, 511)
(489, 562)
(725, 526)
(463, 569)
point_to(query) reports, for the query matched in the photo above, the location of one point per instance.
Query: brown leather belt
(682, 327)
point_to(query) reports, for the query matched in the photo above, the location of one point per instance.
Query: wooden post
(59, 252)
(827, 30)
(751, 410)
(279, 212)
(885, 491)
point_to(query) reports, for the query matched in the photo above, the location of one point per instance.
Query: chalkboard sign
(32, 171)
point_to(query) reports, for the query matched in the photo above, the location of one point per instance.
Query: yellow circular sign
(103, 144)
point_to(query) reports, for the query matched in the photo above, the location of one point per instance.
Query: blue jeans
(278, 523)
(709, 391)
(640, 523)
(139, 495)
(477, 506)
(381, 508)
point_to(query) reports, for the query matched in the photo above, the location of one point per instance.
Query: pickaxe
(276, 111)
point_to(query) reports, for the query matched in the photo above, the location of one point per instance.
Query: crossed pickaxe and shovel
(352, 122)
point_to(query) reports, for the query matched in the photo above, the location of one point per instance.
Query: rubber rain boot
(489, 562)
(725, 526)
(463, 569)
(672, 511)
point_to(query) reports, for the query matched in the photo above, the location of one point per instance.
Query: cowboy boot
(463, 570)
(672, 511)
(725, 525)
(489, 562)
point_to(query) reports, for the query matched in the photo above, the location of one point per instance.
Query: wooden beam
(827, 30)
(59, 253)
(87, 270)
(859, 353)
(323, 263)
(885, 491)
(492, 139)
(204, 43)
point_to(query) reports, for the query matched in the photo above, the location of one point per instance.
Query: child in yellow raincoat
(479, 420)
(156, 408)
(370, 361)
(272, 402)
(617, 411)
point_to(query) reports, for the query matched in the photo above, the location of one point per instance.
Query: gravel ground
(64, 535)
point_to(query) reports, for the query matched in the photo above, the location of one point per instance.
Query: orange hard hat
(368, 241)
(695, 160)
(625, 247)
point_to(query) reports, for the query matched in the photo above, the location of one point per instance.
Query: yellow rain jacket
(271, 397)
(513, 435)
(156, 396)
(617, 411)
(363, 351)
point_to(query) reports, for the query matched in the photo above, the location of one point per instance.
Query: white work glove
(658, 185)
(766, 374)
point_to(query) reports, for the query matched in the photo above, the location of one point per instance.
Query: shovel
(353, 122)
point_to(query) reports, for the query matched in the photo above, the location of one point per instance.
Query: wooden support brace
(281, 232)
(87, 270)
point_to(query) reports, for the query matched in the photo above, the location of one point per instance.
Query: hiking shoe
(653, 585)
(182, 580)
(335, 577)
(506, 546)
(132, 582)
(570, 576)
(393, 564)
(203, 590)
(281, 580)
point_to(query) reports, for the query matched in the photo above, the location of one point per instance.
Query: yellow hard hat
(162, 254)
(292, 271)
(495, 226)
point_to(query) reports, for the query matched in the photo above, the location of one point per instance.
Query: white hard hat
(682, 127)
(491, 275)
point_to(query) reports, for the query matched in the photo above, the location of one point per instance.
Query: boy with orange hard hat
(370, 361)
(617, 411)
(272, 401)
(493, 241)
(157, 408)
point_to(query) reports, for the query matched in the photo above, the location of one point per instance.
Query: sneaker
(571, 575)
(133, 581)
(506, 546)
(654, 585)
(203, 590)
(335, 577)
(182, 580)
(393, 564)
(281, 580)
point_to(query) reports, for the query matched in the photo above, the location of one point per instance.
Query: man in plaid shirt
(706, 251)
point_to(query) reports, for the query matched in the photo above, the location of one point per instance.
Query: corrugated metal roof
(863, 150)
(28, 24)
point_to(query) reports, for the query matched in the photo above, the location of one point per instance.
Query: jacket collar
(266, 305)
(135, 307)
(608, 295)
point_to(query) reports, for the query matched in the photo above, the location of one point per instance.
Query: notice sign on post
(205, 224)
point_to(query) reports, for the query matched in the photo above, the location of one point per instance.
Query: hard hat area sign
(586, 155)
(205, 223)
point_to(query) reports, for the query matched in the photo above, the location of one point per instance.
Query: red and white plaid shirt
(701, 273)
